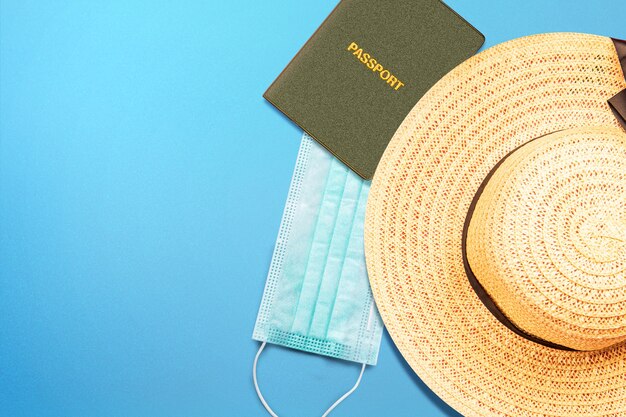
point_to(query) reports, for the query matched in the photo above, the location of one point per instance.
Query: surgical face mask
(317, 296)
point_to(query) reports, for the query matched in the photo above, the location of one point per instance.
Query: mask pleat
(318, 255)
(336, 257)
(346, 323)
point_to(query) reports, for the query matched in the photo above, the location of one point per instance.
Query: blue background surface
(142, 182)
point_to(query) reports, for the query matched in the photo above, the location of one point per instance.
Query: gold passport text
(372, 64)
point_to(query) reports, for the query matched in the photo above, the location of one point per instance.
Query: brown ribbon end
(620, 48)
(618, 102)
(618, 105)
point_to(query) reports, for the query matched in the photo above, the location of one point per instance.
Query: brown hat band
(478, 288)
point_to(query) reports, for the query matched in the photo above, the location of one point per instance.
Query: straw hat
(496, 232)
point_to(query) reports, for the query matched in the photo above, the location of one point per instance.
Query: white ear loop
(256, 383)
(266, 405)
(347, 394)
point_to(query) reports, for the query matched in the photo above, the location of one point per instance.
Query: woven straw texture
(423, 187)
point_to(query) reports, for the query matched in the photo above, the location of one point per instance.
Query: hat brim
(420, 195)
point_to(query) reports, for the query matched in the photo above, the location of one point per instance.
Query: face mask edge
(273, 276)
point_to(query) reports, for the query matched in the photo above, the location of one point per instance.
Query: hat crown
(547, 238)
(603, 236)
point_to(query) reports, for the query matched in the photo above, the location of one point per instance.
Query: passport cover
(358, 76)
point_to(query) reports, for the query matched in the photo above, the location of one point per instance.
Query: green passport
(357, 77)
